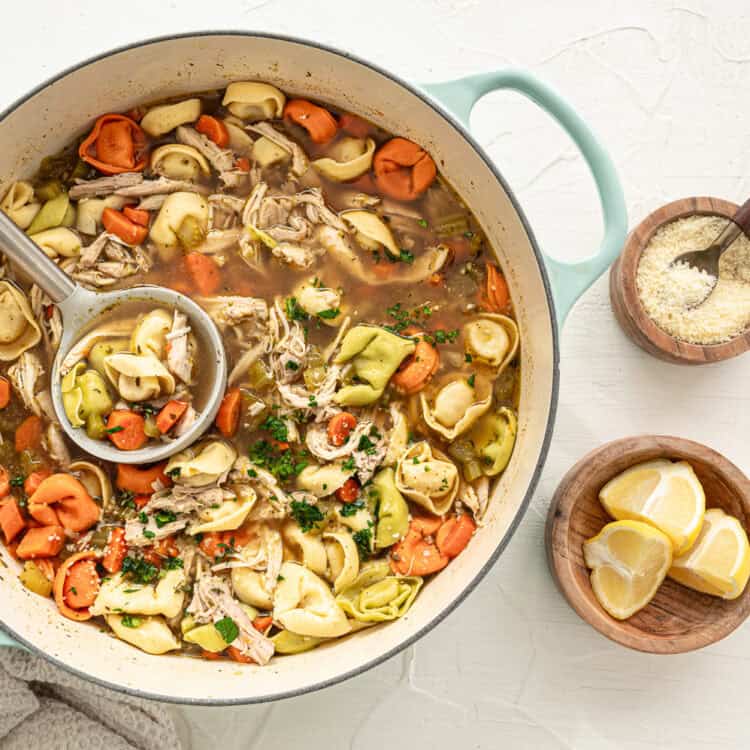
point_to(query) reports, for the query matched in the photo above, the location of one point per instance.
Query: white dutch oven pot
(543, 291)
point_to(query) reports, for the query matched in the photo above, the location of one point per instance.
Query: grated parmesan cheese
(668, 293)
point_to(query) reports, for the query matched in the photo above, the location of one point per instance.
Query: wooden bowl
(627, 304)
(677, 619)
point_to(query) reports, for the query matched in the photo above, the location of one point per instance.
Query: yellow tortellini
(150, 334)
(160, 120)
(378, 596)
(93, 478)
(56, 212)
(286, 642)
(19, 330)
(102, 349)
(86, 399)
(393, 512)
(239, 141)
(428, 478)
(179, 209)
(57, 242)
(319, 301)
(266, 152)
(118, 594)
(138, 377)
(149, 634)
(493, 438)
(398, 438)
(252, 100)
(308, 548)
(456, 406)
(202, 464)
(179, 162)
(250, 587)
(372, 232)
(228, 516)
(491, 339)
(20, 204)
(343, 558)
(347, 159)
(322, 481)
(375, 355)
(304, 604)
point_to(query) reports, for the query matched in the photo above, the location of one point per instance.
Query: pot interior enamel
(45, 121)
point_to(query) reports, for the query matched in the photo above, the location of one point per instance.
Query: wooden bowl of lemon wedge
(647, 540)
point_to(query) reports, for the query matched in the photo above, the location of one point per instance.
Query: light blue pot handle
(6, 640)
(569, 280)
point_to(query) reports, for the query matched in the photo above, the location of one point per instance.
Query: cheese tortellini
(227, 516)
(375, 355)
(304, 604)
(58, 242)
(372, 232)
(343, 558)
(253, 100)
(138, 377)
(322, 481)
(202, 464)
(162, 119)
(491, 339)
(19, 330)
(493, 437)
(149, 634)
(20, 205)
(428, 478)
(393, 512)
(178, 210)
(348, 159)
(118, 594)
(308, 548)
(179, 162)
(456, 406)
(86, 399)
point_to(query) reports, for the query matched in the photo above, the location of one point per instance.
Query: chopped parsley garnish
(130, 621)
(17, 481)
(252, 473)
(306, 515)
(291, 365)
(363, 540)
(348, 465)
(283, 464)
(125, 499)
(148, 534)
(469, 235)
(163, 517)
(312, 401)
(174, 472)
(350, 509)
(142, 517)
(472, 379)
(139, 570)
(443, 337)
(406, 257)
(172, 563)
(277, 427)
(468, 357)
(329, 314)
(366, 445)
(422, 223)
(293, 309)
(113, 430)
(227, 628)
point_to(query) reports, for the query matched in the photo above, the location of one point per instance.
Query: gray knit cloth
(42, 706)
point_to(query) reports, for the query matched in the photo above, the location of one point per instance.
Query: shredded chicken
(161, 186)
(476, 496)
(104, 185)
(179, 358)
(50, 318)
(54, 442)
(24, 375)
(229, 311)
(222, 160)
(317, 441)
(135, 531)
(212, 601)
(300, 162)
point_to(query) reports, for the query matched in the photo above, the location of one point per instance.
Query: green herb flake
(306, 515)
(472, 379)
(131, 621)
(329, 314)
(163, 517)
(113, 430)
(228, 629)
(363, 540)
(293, 309)
(277, 427)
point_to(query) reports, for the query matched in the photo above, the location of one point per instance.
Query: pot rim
(552, 408)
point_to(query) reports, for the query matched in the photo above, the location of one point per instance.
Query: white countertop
(665, 85)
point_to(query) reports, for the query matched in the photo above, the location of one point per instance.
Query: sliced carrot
(74, 506)
(436, 279)
(340, 426)
(209, 545)
(453, 536)
(354, 125)
(163, 549)
(32, 482)
(137, 215)
(414, 556)
(126, 430)
(4, 482)
(417, 369)
(213, 129)
(42, 541)
(115, 551)
(426, 524)
(4, 392)
(204, 272)
(236, 655)
(240, 537)
(11, 520)
(210, 656)
(140, 481)
(170, 415)
(44, 515)
(318, 122)
(86, 578)
(349, 491)
(243, 164)
(261, 624)
(496, 295)
(81, 585)
(127, 230)
(228, 416)
(141, 500)
(403, 170)
(28, 434)
(115, 144)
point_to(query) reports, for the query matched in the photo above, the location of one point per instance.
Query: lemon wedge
(666, 494)
(719, 561)
(628, 561)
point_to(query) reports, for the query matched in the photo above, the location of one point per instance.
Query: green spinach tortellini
(86, 399)
(378, 596)
(493, 437)
(393, 512)
(375, 355)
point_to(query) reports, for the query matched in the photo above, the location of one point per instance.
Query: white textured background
(667, 87)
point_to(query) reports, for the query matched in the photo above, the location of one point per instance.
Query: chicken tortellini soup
(373, 388)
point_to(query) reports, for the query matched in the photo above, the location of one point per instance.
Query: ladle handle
(25, 253)
(740, 223)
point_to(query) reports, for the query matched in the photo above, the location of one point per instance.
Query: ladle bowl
(81, 307)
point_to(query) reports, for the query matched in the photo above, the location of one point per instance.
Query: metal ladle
(708, 258)
(80, 308)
